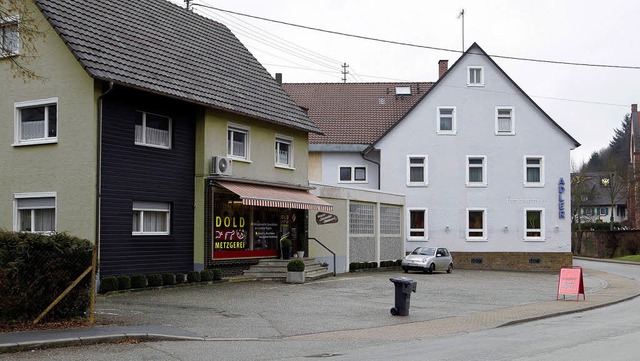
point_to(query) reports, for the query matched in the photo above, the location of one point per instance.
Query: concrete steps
(276, 269)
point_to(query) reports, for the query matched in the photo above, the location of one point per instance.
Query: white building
(485, 171)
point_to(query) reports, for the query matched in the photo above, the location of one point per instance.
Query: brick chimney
(443, 66)
(279, 78)
(634, 108)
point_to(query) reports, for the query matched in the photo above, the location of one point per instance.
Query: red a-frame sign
(570, 282)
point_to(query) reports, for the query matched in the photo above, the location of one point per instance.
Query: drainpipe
(363, 155)
(99, 171)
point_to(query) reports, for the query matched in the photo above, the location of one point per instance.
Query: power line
(417, 45)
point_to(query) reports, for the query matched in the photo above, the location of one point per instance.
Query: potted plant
(285, 246)
(295, 271)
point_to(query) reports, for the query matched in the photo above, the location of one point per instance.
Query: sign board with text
(571, 282)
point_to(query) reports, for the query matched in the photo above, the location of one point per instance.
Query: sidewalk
(350, 306)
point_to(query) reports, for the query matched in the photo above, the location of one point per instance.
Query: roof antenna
(344, 72)
(188, 2)
(461, 15)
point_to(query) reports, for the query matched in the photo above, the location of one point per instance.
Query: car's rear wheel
(450, 268)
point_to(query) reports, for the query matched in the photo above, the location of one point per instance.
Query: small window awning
(273, 196)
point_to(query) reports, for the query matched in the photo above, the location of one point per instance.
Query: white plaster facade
(503, 196)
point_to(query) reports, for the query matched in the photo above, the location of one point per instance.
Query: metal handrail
(330, 251)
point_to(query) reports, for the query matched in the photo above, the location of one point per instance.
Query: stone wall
(512, 261)
(606, 244)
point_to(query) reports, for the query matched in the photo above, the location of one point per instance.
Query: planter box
(295, 277)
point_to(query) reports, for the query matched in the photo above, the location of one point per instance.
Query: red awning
(278, 197)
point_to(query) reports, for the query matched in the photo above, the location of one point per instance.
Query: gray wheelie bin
(404, 287)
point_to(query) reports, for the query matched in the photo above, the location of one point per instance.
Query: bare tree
(580, 192)
(19, 31)
(615, 182)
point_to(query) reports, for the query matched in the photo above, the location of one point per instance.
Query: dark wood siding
(138, 173)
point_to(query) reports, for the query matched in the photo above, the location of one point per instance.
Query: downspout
(99, 170)
(363, 155)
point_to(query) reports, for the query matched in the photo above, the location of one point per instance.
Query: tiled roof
(597, 194)
(353, 113)
(157, 46)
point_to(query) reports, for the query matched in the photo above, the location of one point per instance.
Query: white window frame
(425, 170)
(32, 195)
(484, 225)
(511, 131)
(247, 141)
(144, 132)
(17, 123)
(425, 228)
(527, 229)
(602, 211)
(469, 71)
(143, 206)
(9, 21)
(353, 174)
(454, 129)
(534, 184)
(484, 171)
(283, 139)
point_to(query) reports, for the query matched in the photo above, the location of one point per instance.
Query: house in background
(166, 143)
(485, 171)
(351, 116)
(595, 205)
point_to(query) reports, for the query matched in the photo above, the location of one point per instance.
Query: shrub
(373, 264)
(36, 268)
(398, 262)
(193, 276)
(180, 278)
(108, 284)
(297, 265)
(124, 282)
(353, 266)
(206, 275)
(168, 279)
(217, 274)
(154, 280)
(138, 281)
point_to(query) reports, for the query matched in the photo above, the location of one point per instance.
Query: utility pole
(344, 72)
(462, 16)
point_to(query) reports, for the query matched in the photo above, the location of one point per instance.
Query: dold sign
(233, 222)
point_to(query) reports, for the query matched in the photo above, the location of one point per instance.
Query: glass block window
(390, 220)
(361, 218)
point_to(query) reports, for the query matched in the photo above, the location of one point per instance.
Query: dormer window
(475, 76)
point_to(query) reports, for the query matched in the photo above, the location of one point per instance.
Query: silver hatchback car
(429, 260)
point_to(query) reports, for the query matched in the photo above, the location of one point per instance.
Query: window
(476, 171)
(284, 152)
(417, 170)
(534, 171)
(587, 211)
(505, 121)
(150, 218)
(417, 224)
(362, 218)
(476, 224)
(403, 90)
(9, 36)
(475, 76)
(353, 174)
(36, 121)
(534, 224)
(35, 212)
(238, 142)
(446, 120)
(604, 211)
(153, 130)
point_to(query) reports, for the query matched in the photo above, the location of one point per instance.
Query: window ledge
(535, 240)
(529, 185)
(476, 240)
(153, 146)
(446, 133)
(242, 160)
(471, 185)
(286, 167)
(417, 184)
(150, 234)
(505, 133)
(36, 142)
(473, 85)
(417, 239)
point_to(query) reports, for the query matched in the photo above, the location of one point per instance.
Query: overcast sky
(588, 102)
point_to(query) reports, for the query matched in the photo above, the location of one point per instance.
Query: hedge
(36, 268)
